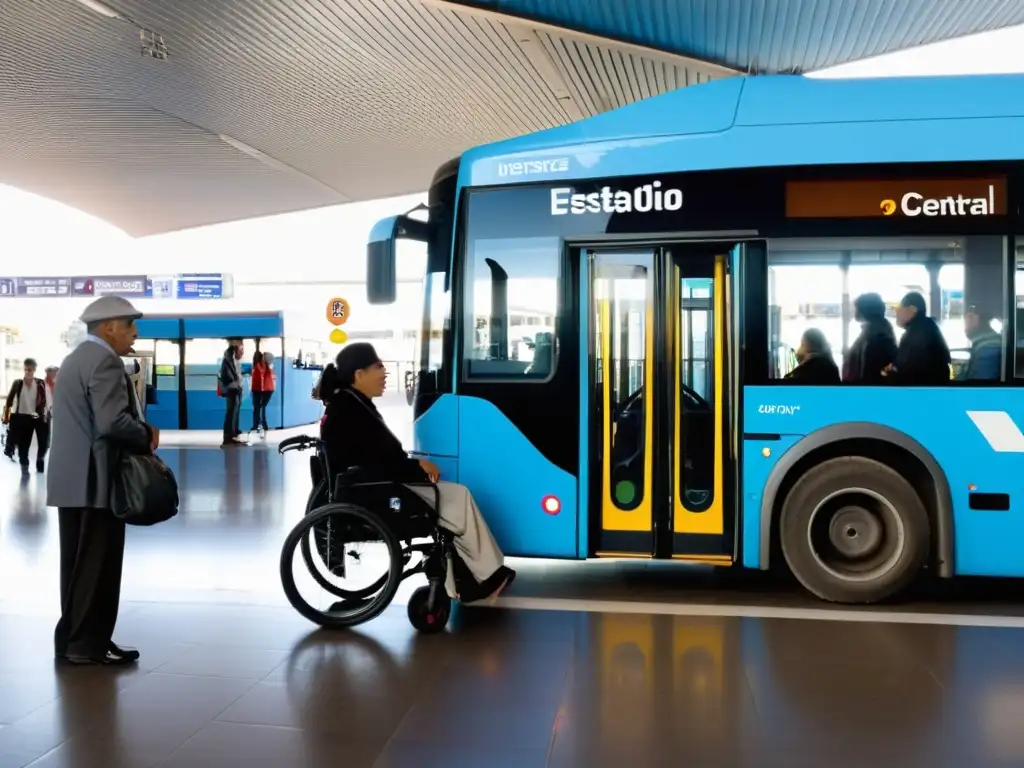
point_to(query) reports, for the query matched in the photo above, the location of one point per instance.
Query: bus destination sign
(865, 199)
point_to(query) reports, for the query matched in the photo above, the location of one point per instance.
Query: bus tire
(854, 530)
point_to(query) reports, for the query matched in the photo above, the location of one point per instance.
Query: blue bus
(611, 305)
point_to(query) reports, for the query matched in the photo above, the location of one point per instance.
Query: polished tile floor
(602, 664)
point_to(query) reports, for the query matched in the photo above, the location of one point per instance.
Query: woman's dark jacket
(816, 370)
(355, 435)
(870, 353)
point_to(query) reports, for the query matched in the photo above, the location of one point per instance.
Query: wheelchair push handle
(298, 443)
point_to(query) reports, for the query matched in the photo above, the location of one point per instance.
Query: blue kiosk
(186, 352)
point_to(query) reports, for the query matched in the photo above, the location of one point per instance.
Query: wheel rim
(356, 604)
(856, 534)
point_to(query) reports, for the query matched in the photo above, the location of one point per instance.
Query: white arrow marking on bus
(999, 429)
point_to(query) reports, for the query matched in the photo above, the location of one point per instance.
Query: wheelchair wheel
(332, 557)
(426, 618)
(347, 526)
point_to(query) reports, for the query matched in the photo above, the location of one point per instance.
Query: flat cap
(109, 308)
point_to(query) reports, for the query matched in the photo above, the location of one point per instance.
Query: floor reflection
(231, 676)
(252, 686)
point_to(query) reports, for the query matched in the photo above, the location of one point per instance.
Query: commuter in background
(875, 348)
(96, 421)
(986, 358)
(923, 356)
(815, 364)
(43, 425)
(263, 385)
(51, 379)
(25, 409)
(230, 380)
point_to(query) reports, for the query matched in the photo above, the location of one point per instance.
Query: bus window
(1018, 303)
(511, 306)
(800, 296)
(814, 284)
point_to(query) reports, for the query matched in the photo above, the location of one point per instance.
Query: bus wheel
(854, 531)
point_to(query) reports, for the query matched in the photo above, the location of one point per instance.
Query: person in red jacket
(264, 382)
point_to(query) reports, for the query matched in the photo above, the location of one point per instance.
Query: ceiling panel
(274, 105)
(267, 107)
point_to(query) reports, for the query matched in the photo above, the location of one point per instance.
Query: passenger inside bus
(874, 350)
(923, 357)
(986, 347)
(356, 437)
(815, 362)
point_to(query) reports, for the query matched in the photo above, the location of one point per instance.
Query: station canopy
(157, 115)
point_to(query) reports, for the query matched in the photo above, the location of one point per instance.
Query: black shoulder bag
(145, 491)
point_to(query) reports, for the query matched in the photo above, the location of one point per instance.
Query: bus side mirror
(381, 280)
(381, 277)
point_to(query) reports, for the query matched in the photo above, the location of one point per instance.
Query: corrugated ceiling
(276, 105)
(770, 36)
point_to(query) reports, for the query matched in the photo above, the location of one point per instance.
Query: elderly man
(96, 417)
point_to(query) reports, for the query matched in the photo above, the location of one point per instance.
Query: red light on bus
(551, 505)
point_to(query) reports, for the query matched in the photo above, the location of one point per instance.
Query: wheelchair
(346, 510)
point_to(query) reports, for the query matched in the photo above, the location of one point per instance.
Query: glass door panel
(697, 295)
(623, 311)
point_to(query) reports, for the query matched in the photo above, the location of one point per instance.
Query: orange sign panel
(896, 198)
(337, 311)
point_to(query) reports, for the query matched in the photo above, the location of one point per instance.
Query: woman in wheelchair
(355, 435)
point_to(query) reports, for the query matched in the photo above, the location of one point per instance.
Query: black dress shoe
(108, 659)
(128, 652)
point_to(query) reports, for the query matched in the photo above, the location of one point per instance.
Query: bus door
(660, 436)
(622, 433)
(699, 370)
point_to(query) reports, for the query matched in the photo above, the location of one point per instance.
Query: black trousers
(19, 436)
(42, 439)
(91, 558)
(232, 407)
(259, 409)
